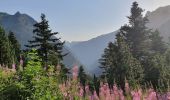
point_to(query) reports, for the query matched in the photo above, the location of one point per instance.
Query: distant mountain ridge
(22, 26)
(88, 52)
(93, 49)
(160, 19)
(85, 53)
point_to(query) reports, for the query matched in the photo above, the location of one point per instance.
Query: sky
(80, 20)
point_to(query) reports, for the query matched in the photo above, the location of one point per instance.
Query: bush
(33, 83)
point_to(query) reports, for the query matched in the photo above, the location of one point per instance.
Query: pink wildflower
(151, 95)
(95, 96)
(81, 92)
(168, 96)
(75, 72)
(107, 93)
(87, 89)
(21, 62)
(136, 95)
(121, 96)
(115, 92)
(13, 66)
(102, 93)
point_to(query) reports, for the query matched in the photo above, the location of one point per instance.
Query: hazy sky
(79, 20)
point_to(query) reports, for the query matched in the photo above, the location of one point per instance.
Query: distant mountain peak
(160, 19)
(22, 26)
(17, 13)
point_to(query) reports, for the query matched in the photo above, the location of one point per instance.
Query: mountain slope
(22, 26)
(88, 52)
(160, 19)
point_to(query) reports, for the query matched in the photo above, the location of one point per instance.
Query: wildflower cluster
(74, 90)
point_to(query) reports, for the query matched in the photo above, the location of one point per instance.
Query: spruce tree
(96, 83)
(108, 58)
(15, 46)
(45, 40)
(135, 33)
(158, 71)
(82, 77)
(119, 64)
(6, 52)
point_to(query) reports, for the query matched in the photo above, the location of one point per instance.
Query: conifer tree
(45, 40)
(6, 53)
(119, 64)
(108, 58)
(82, 77)
(15, 46)
(158, 71)
(96, 83)
(136, 34)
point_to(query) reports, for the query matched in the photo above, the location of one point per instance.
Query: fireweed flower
(107, 93)
(95, 96)
(168, 96)
(164, 97)
(21, 62)
(115, 91)
(115, 87)
(101, 93)
(121, 96)
(151, 95)
(13, 67)
(75, 72)
(81, 92)
(136, 95)
(87, 89)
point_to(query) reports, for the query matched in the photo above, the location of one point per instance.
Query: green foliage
(82, 76)
(96, 82)
(119, 64)
(136, 33)
(6, 52)
(45, 41)
(157, 43)
(158, 72)
(62, 73)
(137, 54)
(33, 83)
(15, 46)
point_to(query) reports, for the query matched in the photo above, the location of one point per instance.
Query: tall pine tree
(6, 52)
(45, 41)
(135, 33)
(119, 64)
(15, 46)
(82, 77)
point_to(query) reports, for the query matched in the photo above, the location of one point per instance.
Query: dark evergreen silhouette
(15, 46)
(96, 82)
(45, 41)
(82, 77)
(119, 64)
(6, 51)
(136, 34)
